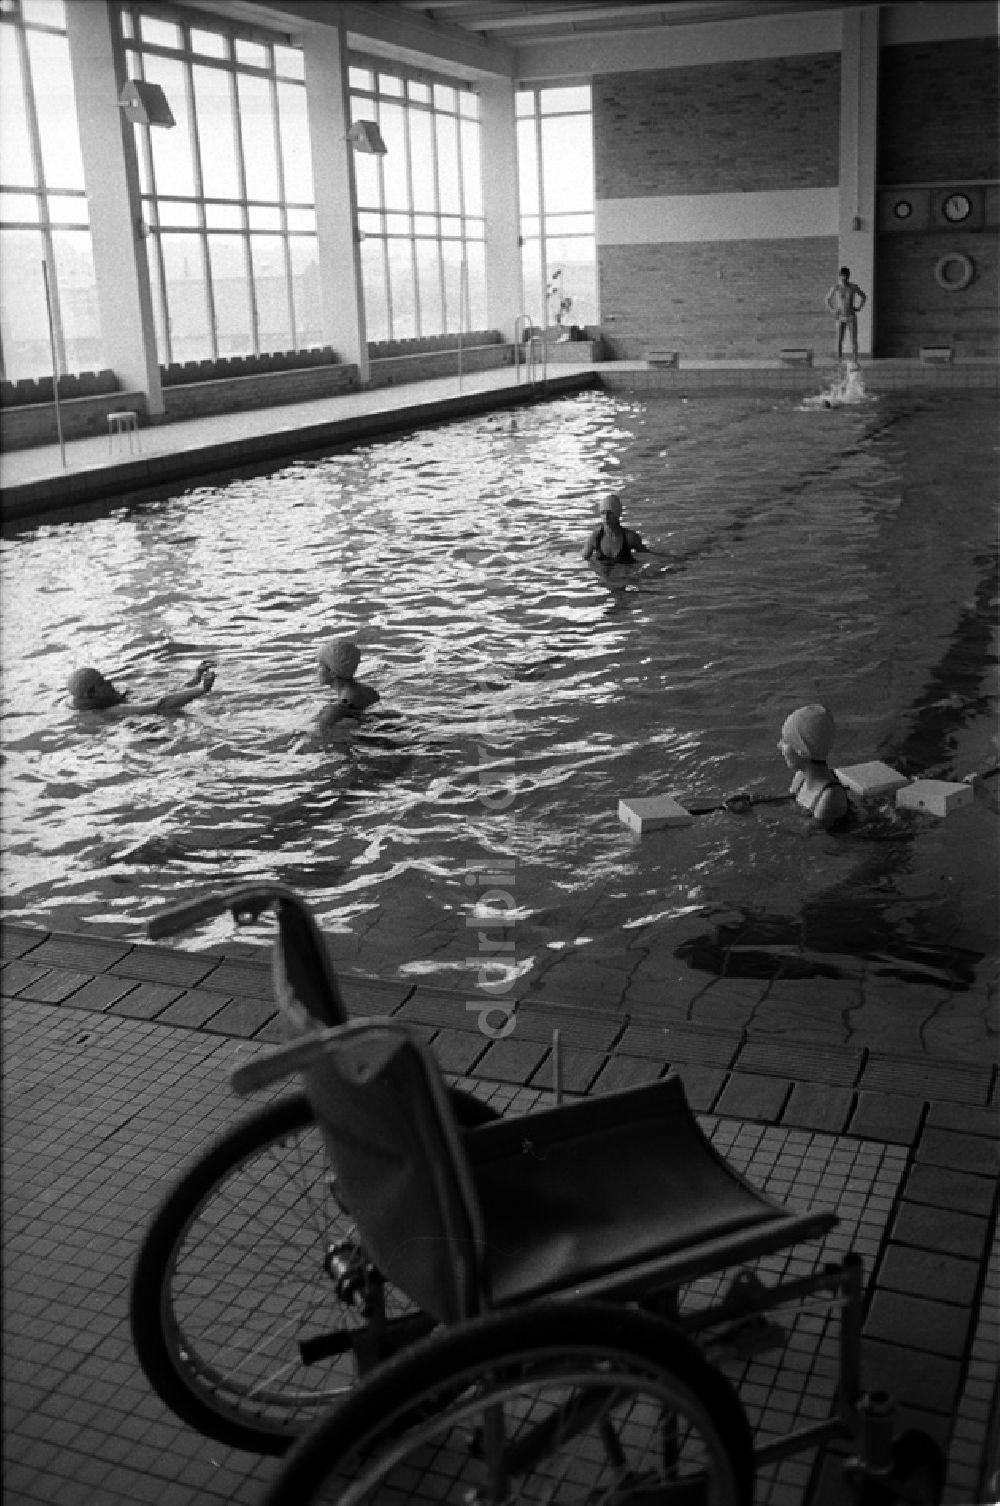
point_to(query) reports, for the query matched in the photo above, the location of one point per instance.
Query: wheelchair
(434, 1304)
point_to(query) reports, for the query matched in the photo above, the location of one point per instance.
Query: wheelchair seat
(605, 1197)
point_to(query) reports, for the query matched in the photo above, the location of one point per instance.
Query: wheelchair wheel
(249, 1257)
(571, 1405)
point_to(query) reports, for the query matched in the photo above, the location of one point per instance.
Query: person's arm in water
(638, 545)
(200, 684)
(590, 548)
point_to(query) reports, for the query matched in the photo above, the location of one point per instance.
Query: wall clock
(956, 208)
(902, 209)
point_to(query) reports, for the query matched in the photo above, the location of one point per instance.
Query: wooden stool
(124, 422)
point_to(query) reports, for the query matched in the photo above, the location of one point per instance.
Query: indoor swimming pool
(465, 833)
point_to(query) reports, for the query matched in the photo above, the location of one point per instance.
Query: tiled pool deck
(117, 1058)
(116, 1065)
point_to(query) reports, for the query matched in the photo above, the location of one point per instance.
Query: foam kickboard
(870, 779)
(939, 797)
(652, 813)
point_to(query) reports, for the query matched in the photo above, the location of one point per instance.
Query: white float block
(871, 779)
(652, 813)
(939, 797)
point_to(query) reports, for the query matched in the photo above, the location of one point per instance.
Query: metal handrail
(522, 325)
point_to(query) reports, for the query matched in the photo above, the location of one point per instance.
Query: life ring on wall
(966, 271)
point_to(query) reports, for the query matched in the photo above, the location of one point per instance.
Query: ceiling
(519, 23)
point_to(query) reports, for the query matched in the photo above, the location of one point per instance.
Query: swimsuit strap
(833, 783)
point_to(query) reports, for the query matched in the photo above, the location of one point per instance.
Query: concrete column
(858, 125)
(328, 110)
(111, 174)
(504, 293)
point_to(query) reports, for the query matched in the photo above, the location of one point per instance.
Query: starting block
(870, 780)
(939, 797)
(653, 813)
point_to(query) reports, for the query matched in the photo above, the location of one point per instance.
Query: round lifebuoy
(966, 271)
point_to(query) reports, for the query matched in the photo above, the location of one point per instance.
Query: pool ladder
(524, 325)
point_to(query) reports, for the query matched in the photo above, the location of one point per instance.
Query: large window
(227, 196)
(555, 154)
(44, 223)
(420, 207)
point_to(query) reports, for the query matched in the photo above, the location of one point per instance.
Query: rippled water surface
(845, 555)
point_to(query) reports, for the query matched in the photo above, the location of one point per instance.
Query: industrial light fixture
(145, 104)
(366, 137)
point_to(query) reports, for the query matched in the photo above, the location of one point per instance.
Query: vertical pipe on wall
(859, 62)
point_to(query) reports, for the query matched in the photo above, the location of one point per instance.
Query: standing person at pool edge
(89, 690)
(610, 543)
(806, 739)
(845, 301)
(338, 662)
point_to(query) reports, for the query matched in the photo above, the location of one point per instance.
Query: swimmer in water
(338, 662)
(610, 543)
(89, 690)
(806, 739)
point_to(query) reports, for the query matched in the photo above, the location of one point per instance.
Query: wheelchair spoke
(237, 1320)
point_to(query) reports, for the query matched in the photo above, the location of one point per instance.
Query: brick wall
(938, 112)
(718, 299)
(726, 127)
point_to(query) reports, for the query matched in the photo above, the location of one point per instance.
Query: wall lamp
(366, 137)
(145, 104)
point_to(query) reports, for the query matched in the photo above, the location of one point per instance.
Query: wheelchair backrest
(400, 1165)
(305, 985)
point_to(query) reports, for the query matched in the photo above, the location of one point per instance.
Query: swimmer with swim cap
(338, 662)
(610, 543)
(90, 690)
(806, 739)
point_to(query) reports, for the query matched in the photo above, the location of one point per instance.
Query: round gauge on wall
(956, 208)
(902, 209)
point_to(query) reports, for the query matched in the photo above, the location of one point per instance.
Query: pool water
(466, 832)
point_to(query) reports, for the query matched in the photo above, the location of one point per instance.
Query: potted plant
(563, 304)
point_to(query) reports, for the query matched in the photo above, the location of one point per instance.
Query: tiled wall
(938, 124)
